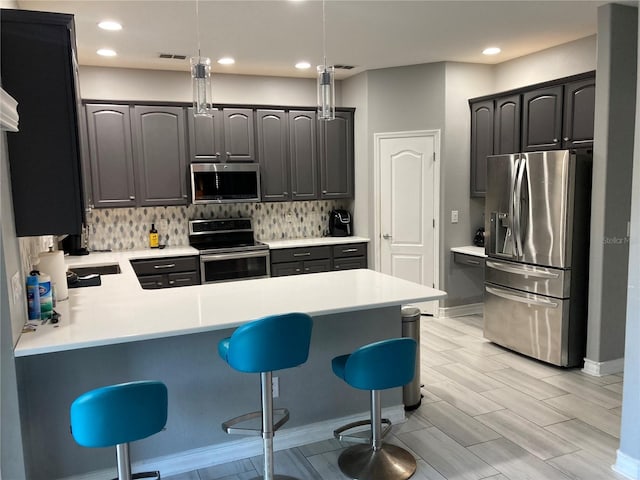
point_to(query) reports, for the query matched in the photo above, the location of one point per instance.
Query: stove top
(223, 235)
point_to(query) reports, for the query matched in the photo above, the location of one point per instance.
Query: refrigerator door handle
(520, 271)
(518, 206)
(521, 298)
(511, 229)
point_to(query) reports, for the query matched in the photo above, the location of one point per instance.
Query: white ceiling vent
(172, 55)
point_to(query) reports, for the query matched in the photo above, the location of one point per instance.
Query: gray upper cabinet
(579, 112)
(205, 137)
(272, 151)
(506, 132)
(160, 143)
(542, 119)
(226, 136)
(239, 143)
(111, 155)
(482, 119)
(303, 153)
(336, 157)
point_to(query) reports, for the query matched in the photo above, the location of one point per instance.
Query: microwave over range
(224, 183)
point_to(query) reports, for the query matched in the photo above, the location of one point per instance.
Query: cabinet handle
(306, 269)
(555, 139)
(168, 265)
(285, 193)
(349, 250)
(297, 269)
(386, 236)
(324, 191)
(171, 282)
(566, 139)
(305, 254)
(217, 154)
(228, 154)
(295, 193)
(132, 197)
(159, 284)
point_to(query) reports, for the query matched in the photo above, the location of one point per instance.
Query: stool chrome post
(124, 462)
(267, 423)
(376, 420)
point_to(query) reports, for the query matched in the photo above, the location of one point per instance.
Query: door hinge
(434, 156)
(434, 223)
(434, 285)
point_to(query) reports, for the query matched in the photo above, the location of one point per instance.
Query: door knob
(386, 236)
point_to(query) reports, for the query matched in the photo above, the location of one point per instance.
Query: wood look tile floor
(487, 413)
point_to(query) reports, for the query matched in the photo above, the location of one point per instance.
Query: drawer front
(300, 254)
(151, 282)
(470, 260)
(350, 250)
(541, 280)
(350, 263)
(285, 269)
(165, 265)
(316, 266)
(183, 279)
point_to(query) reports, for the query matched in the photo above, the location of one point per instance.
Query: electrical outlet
(275, 384)
(16, 286)
(454, 216)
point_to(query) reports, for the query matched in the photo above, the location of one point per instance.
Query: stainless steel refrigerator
(537, 215)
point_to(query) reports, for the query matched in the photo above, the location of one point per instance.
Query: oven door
(224, 267)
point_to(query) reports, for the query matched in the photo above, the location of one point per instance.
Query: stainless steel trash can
(411, 396)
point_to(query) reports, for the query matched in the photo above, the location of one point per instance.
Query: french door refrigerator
(537, 215)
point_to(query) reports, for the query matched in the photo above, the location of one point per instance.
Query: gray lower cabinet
(336, 157)
(110, 156)
(138, 155)
(297, 261)
(167, 272)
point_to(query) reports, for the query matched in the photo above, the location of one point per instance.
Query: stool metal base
(389, 462)
(277, 477)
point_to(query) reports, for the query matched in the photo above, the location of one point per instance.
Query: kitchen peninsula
(118, 332)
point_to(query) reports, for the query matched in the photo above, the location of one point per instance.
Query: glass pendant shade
(201, 76)
(326, 93)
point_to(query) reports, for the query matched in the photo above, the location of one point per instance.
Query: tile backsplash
(128, 228)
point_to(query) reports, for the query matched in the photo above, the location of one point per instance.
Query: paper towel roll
(52, 263)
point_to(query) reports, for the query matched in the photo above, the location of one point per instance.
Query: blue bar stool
(263, 346)
(118, 414)
(377, 366)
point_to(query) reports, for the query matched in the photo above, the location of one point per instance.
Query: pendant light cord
(198, 28)
(324, 37)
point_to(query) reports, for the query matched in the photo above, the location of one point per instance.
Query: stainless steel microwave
(225, 182)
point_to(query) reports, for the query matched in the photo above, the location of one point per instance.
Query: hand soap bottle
(153, 237)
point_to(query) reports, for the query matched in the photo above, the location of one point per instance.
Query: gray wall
(612, 169)
(131, 84)
(630, 433)
(556, 62)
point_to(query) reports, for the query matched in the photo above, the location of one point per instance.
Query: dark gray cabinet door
(542, 119)
(579, 112)
(39, 71)
(206, 137)
(481, 145)
(506, 132)
(303, 155)
(111, 155)
(161, 165)
(272, 151)
(336, 157)
(239, 143)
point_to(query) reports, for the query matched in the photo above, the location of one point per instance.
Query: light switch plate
(454, 216)
(16, 287)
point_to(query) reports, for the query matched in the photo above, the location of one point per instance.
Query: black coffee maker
(340, 223)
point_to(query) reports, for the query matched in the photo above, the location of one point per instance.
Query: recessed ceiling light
(303, 65)
(110, 25)
(106, 52)
(491, 51)
(226, 61)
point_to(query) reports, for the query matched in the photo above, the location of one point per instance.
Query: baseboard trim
(599, 369)
(627, 466)
(461, 310)
(245, 447)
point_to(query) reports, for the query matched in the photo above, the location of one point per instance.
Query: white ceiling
(267, 37)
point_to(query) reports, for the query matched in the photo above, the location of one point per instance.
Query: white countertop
(120, 311)
(470, 250)
(313, 242)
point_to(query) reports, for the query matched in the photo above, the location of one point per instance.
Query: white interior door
(408, 208)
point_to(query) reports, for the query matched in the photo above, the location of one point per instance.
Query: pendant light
(326, 85)
(201, 78)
